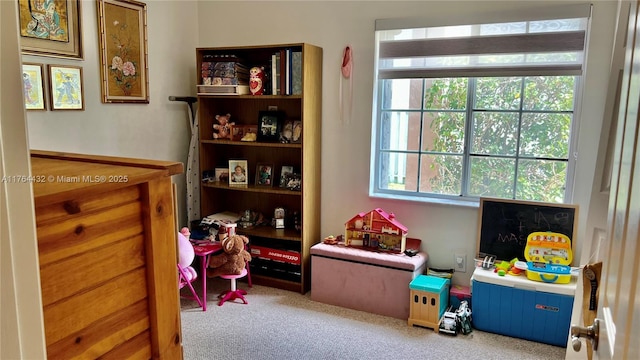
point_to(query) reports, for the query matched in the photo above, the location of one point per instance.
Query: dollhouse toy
(376, 230)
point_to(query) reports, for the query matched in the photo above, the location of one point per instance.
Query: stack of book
(286, 72)
(223, 75)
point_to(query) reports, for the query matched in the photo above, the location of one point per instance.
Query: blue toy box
(518, 307)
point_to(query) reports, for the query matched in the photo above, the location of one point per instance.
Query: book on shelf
(275, 73)
(223, 89)
(288, 73)
(296, 73)
(226, 72)
(283, 67)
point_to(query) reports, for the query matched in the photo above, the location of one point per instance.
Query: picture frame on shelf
(294, 181)
(244, 132)
(238, 172)
(284, 172)
(124, 69)
(291, 132)
(264, 174)
(33, 86)
(42, 35)
(66, 90)
(221, 175)
(269, 124)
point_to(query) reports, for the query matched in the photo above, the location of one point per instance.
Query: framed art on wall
(33, 86)
(50, 28)
(66, 91)
(124, 70)
(238, 172)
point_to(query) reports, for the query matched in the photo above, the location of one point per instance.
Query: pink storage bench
(364, 280)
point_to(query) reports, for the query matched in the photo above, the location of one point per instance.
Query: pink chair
(235, 293)
(183, 281)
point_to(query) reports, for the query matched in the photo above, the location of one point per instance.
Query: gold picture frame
(33, 86)
(51, 28)
(124, 69)
(66, 89)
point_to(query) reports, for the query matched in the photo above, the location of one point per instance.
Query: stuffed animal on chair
(186, 254)
(234, 258)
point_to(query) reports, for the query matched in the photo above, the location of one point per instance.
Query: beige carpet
(278, 324)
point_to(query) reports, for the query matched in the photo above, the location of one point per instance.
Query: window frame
(464, 199)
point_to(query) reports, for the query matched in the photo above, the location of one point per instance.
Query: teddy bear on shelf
(186, 254)
(234, 258)
(222, 130)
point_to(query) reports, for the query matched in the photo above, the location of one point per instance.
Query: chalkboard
(505, 224)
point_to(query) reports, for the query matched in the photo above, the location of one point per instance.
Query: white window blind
(552, 44)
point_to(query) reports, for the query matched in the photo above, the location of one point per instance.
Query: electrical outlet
(460, 262)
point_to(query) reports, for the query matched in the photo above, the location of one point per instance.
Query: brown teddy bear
(232, 260)
(222, 130)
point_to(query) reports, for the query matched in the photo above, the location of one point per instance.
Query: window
(465, 111)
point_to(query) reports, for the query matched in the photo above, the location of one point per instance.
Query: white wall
(346, 146)
(158, 130)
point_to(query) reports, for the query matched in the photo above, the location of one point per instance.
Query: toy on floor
(234, 258)
(186, 254)
(449, 323)
(463, 316)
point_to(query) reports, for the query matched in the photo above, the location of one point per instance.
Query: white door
(619, 298)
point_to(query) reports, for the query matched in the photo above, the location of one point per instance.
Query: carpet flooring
(279, 324)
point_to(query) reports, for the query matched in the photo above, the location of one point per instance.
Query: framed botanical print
(66, 90)
(124, 70)
(50, 28)
(33, 86)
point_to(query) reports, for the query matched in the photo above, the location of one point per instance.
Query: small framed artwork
(294, 182)
(284, 172)
(221, 175)
(124, 69)
(264, 174)
(238, 172)
(65, 87)
(33, 86)
(269, 123)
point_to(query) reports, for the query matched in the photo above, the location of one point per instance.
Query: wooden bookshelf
(304, 157)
